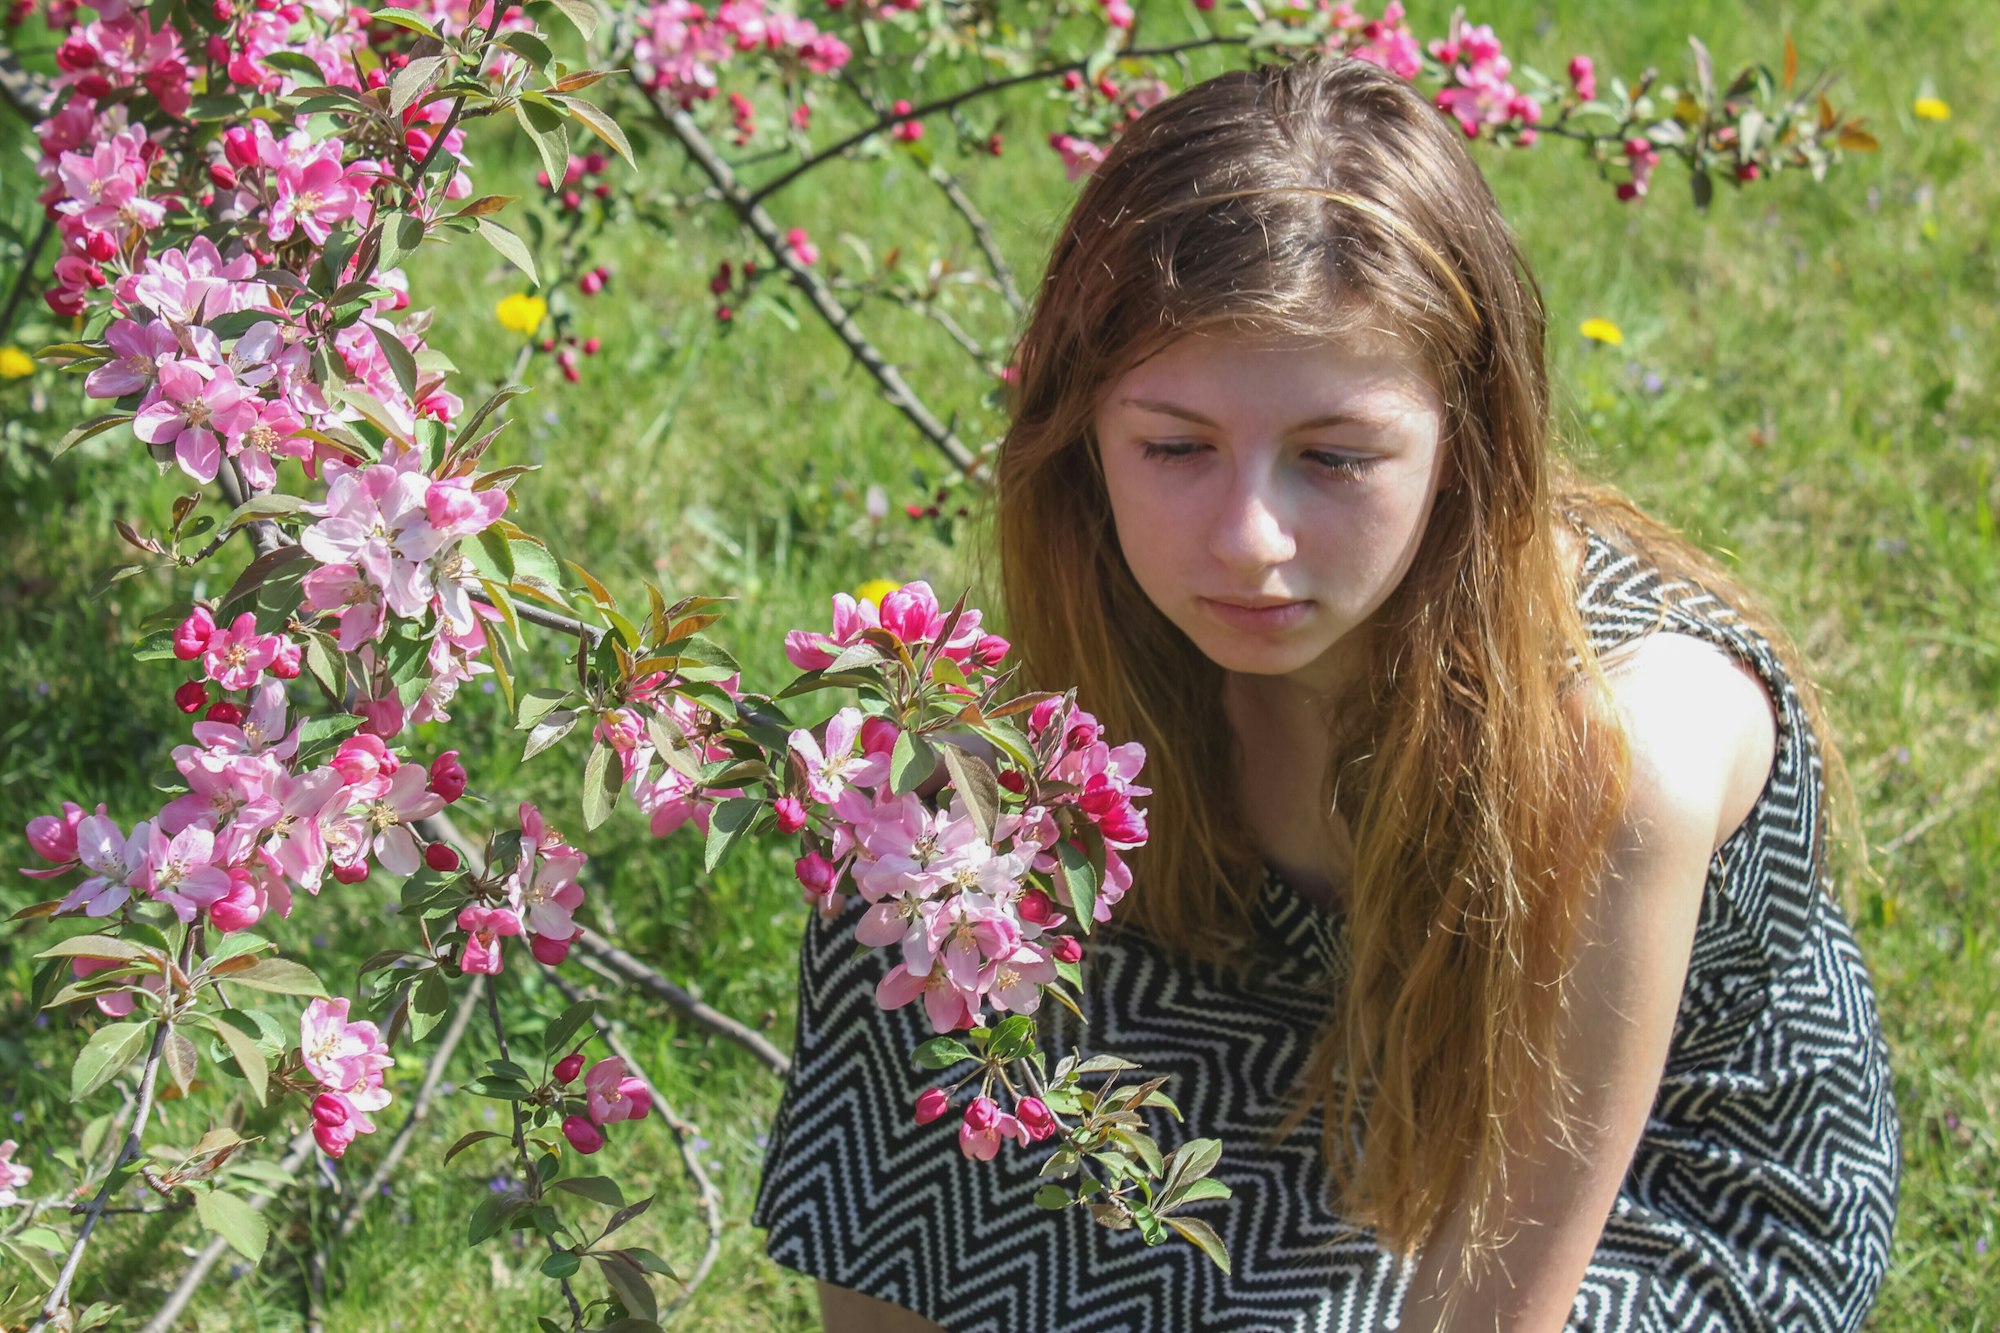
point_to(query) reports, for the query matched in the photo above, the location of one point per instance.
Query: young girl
(1487, 835)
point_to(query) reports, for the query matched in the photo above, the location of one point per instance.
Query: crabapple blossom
(829, 770)
(484, 928)
(931, 1104)
(13, 1176)
(583, 1136)
(614, 1094)
(235, 657)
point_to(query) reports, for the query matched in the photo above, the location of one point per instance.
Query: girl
(1486, 830)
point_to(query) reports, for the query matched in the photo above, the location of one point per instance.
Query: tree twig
(894, 387)
(627, 968)
(684, 1133)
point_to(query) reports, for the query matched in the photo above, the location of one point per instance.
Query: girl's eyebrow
(1165, 408)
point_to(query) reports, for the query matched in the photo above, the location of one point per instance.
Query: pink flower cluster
(680, 45)
(970, 926)
(388, 541)
(1477, 90)
(611, 1094)
(668, 797)
(347, 1060)
(250, 828)
(540, 896)
(984, 1125)
(12, 1175)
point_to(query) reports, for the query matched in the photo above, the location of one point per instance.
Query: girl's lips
(1258, 619)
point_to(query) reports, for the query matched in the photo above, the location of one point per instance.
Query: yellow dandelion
(1602, 331)
(1932, 108)
(15, 364)
(521, 313)
(875, 590)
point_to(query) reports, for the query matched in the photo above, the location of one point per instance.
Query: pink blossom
(948, 1008)
(139, 352)
(485, 927)
(1080, 157)
(180, 871)
(113, 860)
(340, 1054)
(1018, 980)
(314, 197)
(236, 657)
(799, 243)
(1583, 74)
(407, 799)
(829, 772)
(13, 1176)
(811, 651)
(614, 1094)
(190, 403)
(53, 837)
(117, 1004)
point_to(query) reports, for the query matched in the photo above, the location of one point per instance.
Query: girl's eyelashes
(1175, 451)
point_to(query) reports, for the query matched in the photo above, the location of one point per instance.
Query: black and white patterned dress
(1761, 1195)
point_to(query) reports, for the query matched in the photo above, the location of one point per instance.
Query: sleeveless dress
(1761, 1195)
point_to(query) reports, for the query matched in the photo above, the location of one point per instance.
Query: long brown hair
(1485, 773)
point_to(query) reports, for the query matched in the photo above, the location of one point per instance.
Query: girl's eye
(1169, 451)
(1343, 465)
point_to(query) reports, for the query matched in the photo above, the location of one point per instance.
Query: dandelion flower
(1602, 331)
(521, 313)
(1932, 108)
(875, 590)
(15, 363)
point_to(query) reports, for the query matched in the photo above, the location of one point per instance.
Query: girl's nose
(1251, 532)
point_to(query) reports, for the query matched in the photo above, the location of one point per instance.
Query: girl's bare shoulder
(1702, 726)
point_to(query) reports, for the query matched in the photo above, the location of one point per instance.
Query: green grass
(1851, 326)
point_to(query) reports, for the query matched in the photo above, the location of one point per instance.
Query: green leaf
(536, 705)
(1204, 1237)
(1190, 1162)
(530, 48)
(510, 246)
(429, 998)
(561, 1264)
(242, 1047)
(601, 124)
(403, 18)
(1078, 882)
(561, 1033)
(401, 364)
(603, 779)
(582, 13)
(977, 785)
(552, 728)
(110, 1049)
(95, 946)
(598, 1189)
(1194, 1191)
(97, 425)
(467, 1140)
(280, 976)
(628, 1284)
(1052, 1197)
(412, 80)
(940, 1053)
(726, 825)
(910, 763)
(235, 1221)
(544, 124)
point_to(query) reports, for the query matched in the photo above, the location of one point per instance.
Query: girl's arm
(1703, 736)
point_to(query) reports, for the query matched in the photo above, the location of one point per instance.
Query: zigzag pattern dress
(1761, 1196)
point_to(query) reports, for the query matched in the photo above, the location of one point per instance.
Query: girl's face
(1269, 496)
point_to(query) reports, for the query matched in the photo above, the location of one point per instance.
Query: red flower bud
(192, 634)
(291, 656)
(1037, 908)
(222, 11)
(982, 1113)
(441, 857)
(791, 814)
(350, 874)
(191, 697)
(329, 1109)
(569, 1067)
(583, 1136)
(75, 55)
(931, 1104)
(225, 712)
(101, 246)
(1034, 1114)
(549, 952)
(572, 200)
(1014, 782)
(590, 346)
(1066, 949)
(448, 776)
(601, 190)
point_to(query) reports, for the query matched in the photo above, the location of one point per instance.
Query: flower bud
(791, 814)
(291, 656)
(448, 776)
(583, 1136)
(102, 246)
(590, 346)
(360, 758)
(1066, 949)
(989, 650)
(329, 1110)
(441, 857)
(239, 909)
(593, 163)
(931, 1104)
(53, 837)
(1037, 908)
(1034, 1113)
(548, 951)
(239, 145)
(568, 1068)
(591, 284)
(350, 874)
(879, 736)
(75, 54)
(225, 712)
(191, 697)
(222, 11)
(191, 636)
(982, 1113)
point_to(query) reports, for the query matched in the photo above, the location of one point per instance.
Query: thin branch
(29, 258)
(894, 387)
(521, 1151)
(964, 95)
(58, 1300)
(627, 968)
(684, 1133)
(168, 1315)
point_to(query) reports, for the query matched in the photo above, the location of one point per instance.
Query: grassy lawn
(1806, 382)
